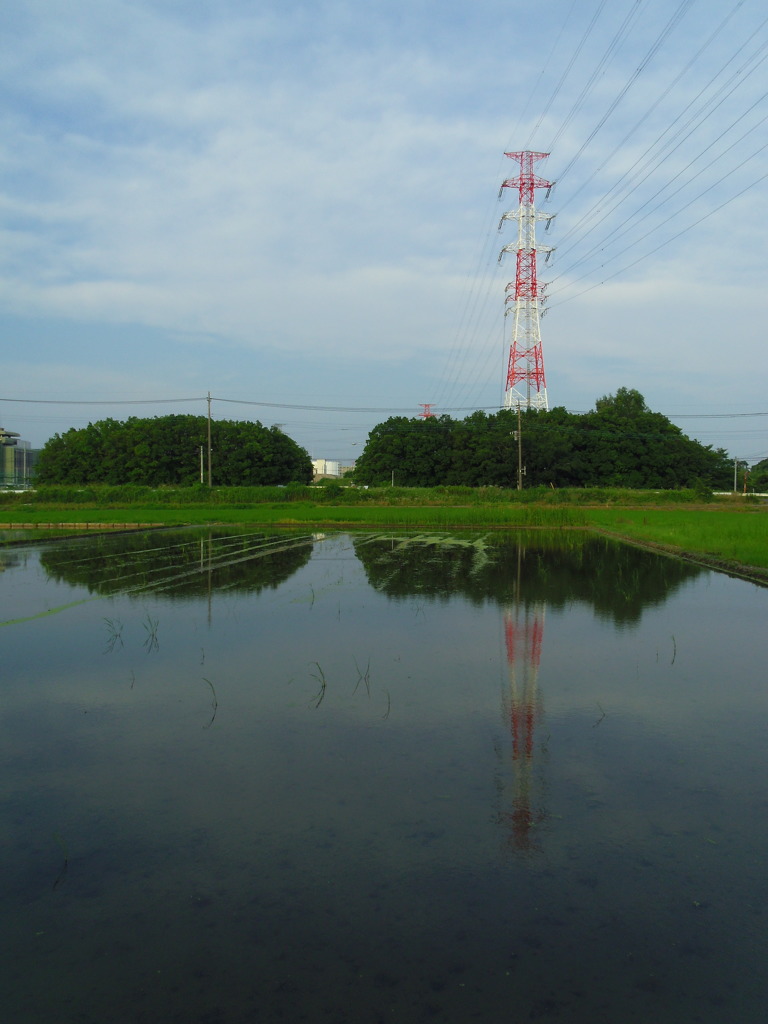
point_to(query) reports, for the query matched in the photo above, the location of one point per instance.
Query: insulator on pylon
(507, 248)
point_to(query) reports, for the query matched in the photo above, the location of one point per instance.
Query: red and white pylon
(526, 386)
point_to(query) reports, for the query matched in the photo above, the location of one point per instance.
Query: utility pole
(519, 450)
(209, 440)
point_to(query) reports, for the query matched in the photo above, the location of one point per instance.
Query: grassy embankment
(718, 536)
(724, 530)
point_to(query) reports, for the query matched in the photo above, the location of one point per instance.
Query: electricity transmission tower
(526, 385)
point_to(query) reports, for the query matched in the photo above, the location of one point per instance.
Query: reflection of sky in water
(355, 857)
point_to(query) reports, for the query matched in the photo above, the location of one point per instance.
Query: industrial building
(17, 461)
(326, 467)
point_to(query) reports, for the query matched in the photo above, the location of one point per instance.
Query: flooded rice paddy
(253, 776)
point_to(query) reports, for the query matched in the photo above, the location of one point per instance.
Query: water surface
(264, 777)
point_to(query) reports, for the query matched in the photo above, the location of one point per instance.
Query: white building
(326, 467)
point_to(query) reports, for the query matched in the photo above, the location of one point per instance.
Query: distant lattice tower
(526, 385)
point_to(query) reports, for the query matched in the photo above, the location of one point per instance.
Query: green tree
(626, 403)
(412, 452)
(621, 443)
(167, 450)
(758, 476)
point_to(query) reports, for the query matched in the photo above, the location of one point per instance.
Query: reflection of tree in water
(9, 560)
(617, 580)
(178, 564)
(524, 573)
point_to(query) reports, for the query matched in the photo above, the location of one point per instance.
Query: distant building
(17, 461)
(326, 467)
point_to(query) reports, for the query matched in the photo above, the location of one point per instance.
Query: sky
(293, 207)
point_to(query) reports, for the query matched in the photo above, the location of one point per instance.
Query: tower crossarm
(513, 247)
(523, 181)
(536, 214)
(527, 156)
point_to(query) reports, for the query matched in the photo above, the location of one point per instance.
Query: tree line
(620, 443)
(167, 450)
(758, 476)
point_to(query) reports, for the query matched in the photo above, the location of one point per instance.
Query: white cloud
(320, 178)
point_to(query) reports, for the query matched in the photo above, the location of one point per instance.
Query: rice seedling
(214, 703)
(150, 625)
(363, 677)
(317, 700)
(114, 634)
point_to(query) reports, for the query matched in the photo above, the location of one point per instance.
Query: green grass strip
(726, 536)
(733, 532)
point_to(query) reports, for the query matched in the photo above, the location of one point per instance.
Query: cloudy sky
(293, 206)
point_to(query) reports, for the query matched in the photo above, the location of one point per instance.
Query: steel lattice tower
(526, 385)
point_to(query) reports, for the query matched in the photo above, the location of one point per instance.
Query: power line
(652, 164)
(667, 241)
(713, 36)
(566, 72)
(104, 401)
(668, 28)
(340, 408)
(745, 55)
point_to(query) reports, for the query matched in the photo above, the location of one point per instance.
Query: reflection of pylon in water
(523, 633)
